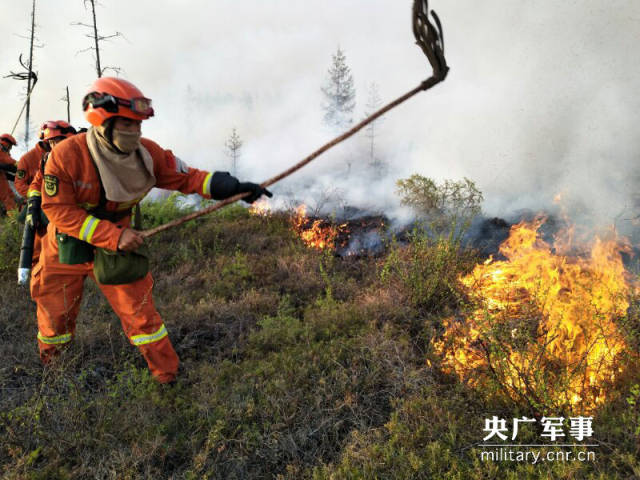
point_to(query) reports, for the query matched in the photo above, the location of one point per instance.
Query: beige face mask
(125, 141)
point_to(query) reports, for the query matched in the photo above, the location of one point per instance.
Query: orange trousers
(37, 247)
(57, 290)
(6, 195)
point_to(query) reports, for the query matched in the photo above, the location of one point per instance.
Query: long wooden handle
(427, 84)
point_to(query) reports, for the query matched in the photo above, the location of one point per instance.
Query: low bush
(295, 364)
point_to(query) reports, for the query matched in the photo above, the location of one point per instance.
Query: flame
(317, 235)
(545, 326)
(260, 208)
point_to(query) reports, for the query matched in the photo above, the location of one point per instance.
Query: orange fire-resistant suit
(71, 187)
(6, 194)
(28, 165)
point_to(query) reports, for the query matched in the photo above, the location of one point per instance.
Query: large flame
(544, 326)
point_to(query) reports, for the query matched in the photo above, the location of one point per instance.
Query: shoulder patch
(51, 185)
(21, 174)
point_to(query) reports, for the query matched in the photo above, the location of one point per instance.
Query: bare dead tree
(30, 77)
(233, 146)
(326, 197)
(374, 102)
(97, 38)
(28, 74)
(68, 102)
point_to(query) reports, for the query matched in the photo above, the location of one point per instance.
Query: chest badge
(51, 185)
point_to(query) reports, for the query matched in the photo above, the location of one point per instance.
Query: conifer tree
(339, 93)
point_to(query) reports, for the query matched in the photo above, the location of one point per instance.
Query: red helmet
(8, 139)
(56, 129)
(114, 97)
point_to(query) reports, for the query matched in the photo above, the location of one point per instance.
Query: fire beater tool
(429, 38)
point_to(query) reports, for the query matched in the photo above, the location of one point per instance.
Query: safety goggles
(109, 103)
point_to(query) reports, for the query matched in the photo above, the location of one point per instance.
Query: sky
(542, 96)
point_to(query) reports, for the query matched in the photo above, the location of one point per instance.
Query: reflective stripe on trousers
(57, 340)
(144, 339)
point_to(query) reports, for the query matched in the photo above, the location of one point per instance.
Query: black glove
(8, 167)
(256, 191)
(224, 186)
(33, 218)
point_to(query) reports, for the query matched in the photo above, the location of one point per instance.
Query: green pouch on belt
(72, 251)
(117, 268)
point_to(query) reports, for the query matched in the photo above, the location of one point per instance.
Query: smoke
(540, 99)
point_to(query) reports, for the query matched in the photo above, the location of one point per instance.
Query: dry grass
(295, 364)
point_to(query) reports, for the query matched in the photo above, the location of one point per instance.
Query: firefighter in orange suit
(51, 133)
(6, 194)
(92, 180)
(28, 165)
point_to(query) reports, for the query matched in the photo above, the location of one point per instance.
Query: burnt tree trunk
(30, 74)
(68, 100)
(96, 38)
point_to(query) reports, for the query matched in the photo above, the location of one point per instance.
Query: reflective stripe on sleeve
(88, 228)
(150, 338)
(55, 340)
(206, 186)
(33, 193)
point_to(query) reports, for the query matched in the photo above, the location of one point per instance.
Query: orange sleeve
(60, 204)
(22, 175)
(6, 159)
(173, 174)
(35, 187)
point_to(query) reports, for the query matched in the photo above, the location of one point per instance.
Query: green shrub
(155, 213)
(10, 240)
(447, 207)
(427, 271)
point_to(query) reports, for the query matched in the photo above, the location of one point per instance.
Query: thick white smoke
(540, 100)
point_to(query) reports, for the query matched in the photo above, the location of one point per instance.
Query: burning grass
(296, 364)
(544, 326)
(318, 233)
(361, 236)
(315, 233)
